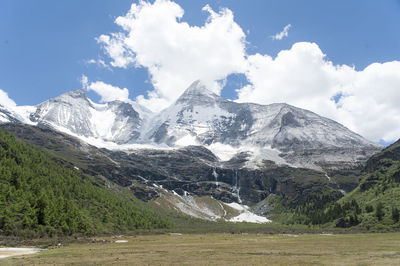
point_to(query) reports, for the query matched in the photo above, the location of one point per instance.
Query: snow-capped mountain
(276, 132)
(207, 118)
(73, 112)
(16, 114)
(200, 117)
(6, 116)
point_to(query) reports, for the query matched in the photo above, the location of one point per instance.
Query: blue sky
(45, 45)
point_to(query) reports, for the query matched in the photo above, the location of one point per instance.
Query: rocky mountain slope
(201, 146)
(186, 173)
(277, 132)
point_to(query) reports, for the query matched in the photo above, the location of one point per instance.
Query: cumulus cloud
(366, 101)
(174, 52)
(106, 91)
(5, 100)
(283, 33)
(372, 101)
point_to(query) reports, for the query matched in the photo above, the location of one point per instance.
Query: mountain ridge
(278, 132)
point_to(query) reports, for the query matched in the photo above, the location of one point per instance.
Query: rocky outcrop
(191, 169)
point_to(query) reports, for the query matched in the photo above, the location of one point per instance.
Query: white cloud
(5, 100)
(372, 104)
(84, 81)
(106, 91)
(283, 33)
(174, 52)
(98, 62)
(303, 77)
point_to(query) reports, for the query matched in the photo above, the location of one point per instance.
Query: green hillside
(41, 197)
(378, 194)
(375, 202)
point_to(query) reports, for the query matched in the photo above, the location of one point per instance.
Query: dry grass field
(225, 249)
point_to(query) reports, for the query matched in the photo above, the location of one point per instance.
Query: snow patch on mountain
(187, 140)
(256, 155)
(103, 121)
(223, 151)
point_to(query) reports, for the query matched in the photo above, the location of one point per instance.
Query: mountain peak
(198, 92)
(71, 97)
(76, 94)
(196, 86)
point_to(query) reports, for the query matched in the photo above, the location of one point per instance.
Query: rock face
(276, 132)
(190, 170)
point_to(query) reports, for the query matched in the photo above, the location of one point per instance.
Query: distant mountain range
(279, 132)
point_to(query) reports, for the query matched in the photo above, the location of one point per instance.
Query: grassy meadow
(225, 249)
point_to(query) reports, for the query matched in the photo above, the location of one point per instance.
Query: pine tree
(369, 208)
(395, 214)
(379, 213)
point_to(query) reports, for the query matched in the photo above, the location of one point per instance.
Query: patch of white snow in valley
(9, 252)
(222, 151)
(249, 217)
(256, 154)
(237, 206)
(246, 215)
(266, 153)
(121, 241)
